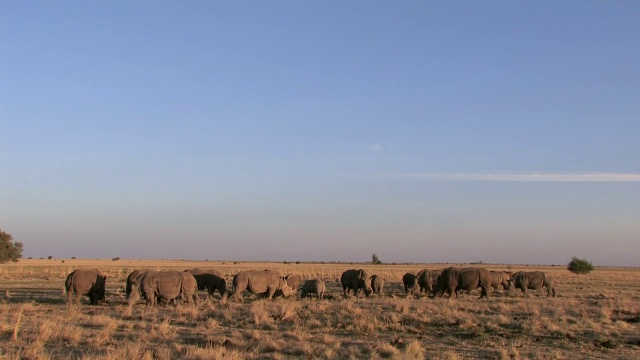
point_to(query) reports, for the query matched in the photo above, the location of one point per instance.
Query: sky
(495, 131)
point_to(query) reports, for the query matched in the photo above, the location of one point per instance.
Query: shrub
(580, 266)
(9, 250)
(49, 257)
(115, 258)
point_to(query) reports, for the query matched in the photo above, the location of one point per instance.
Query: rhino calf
(210, 280)
(409, 280)
(315, 286)
(377, 284)
(533, 280)
(260, 282)
(90, 282)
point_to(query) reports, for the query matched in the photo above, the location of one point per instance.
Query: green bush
(580, 266)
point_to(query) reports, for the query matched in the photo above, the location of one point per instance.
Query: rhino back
(198, 271)
(166, 284)
(261, 281)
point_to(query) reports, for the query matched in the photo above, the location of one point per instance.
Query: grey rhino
(409, 282)
(90, 282)
(453, 279)
(135, 274)
(169, 285)
(427, 279)
(500, 278)
(533, 280)
(354, 280)
(315, 286)
(259, 282)
(377, 284)
(210, 280)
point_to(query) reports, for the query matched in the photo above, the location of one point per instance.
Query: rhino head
(285, 288)
(134, 295)
(366, 278)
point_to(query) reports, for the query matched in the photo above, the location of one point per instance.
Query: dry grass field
(594, 317)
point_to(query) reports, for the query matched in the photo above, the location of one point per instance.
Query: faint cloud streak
(375, 147)
(525, 177)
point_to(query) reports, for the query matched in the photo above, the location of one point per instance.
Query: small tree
(375, 260)
(580, 266)
(9, 250)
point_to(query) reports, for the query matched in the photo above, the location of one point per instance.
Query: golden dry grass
(594, 316)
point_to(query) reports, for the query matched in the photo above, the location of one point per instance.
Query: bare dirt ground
(595, 316)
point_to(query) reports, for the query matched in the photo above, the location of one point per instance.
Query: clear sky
(421, 131)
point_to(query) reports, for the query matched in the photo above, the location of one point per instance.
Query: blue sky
(419, 131)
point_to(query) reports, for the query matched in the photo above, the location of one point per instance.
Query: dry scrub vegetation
(595, 316)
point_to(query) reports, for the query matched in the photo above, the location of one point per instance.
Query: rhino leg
(77, 298)
(151, 298)
(270, 293)
(452, 291)
(484, 292)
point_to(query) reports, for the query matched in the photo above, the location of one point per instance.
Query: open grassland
(594, 317)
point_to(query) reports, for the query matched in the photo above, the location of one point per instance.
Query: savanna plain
(594, 316)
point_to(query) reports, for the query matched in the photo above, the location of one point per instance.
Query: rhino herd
(156, 286)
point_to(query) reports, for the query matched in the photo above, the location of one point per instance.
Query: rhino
(354, 280)
(377, 284)
(533, 280)
(169, 285)
(453, 279)
(427, 279)
(90, 282)
(409, 281)
(210, 280)
(260, 282)
(315, 286)
(135, 274)
(500, 278)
